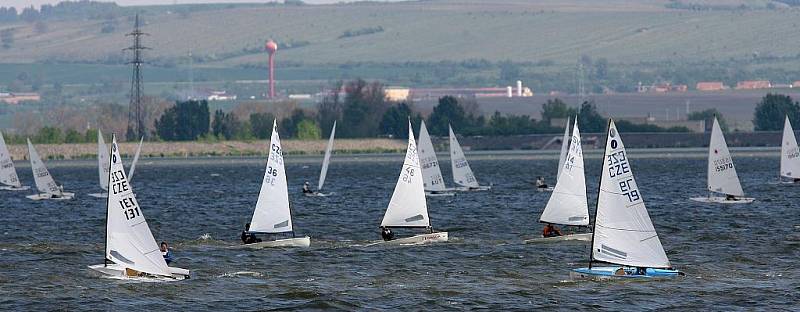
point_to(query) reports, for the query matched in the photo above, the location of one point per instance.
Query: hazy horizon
(19, 4)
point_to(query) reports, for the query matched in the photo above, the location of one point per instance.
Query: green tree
(308, 130)
(708, 116)
(770, 112)
(90, 135)
(556, 108)
(363, 105)
(261, 125)
(288, 126)
(225, 125)
(395, 120)
(7, 37)
(589, 120)
(447, 112)
(73, 136)
(185, 121)
(49, 135)
(511, 125)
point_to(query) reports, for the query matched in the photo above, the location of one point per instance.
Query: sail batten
(623, 232)
(722, 177)
(568, 204)
(8, 174)
(431, 172)
(408, 207)
(462, 173)
(323, 172)
(272, 214)
(790, 153)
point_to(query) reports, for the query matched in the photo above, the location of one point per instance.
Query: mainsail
(272, 214)
(102, 160)
(326, 160)
(8, 174)
(623, 232)
(431, 173)
(129, 241)
(568, 204)
(722, 177)
(408, 207)
(564, 149)
(790, 154)
(44, 181)
(462, 174)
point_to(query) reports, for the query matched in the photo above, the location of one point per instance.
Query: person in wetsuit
(551, 231)
(540, 183)
(730, 197)
(166, 252)
(247, 237)
(306, 189)
(387, 234)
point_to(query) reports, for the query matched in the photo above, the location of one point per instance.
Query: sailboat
(273, 215)
(325, 162)
(432, 179)
(131, 250)
(623, 233)
(462, 174)
(408, 207)
(8, 174)
(722, 177)
(561, 158)
(48, 188)
(102, 164)
(568, 204)
(790, 154)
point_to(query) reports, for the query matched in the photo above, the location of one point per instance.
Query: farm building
(16, 98)
(710, 86)
(796, 84)
(753, 84)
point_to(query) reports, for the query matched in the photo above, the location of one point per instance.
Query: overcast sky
(25, 3)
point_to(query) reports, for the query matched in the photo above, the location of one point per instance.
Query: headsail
(431, 173)
(408, 207)
(272, 213)
(790, 153)
(568, 204)
(722, 177)
(44, 181)
(623, 232)
(462, 174)
(8, 174)
(135, 159)
(102, 160)
(564, 149)
(326, 160)
(129, 241)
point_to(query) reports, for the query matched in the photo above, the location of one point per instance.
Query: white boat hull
(722, 200)
(99, 195)
(474, 189)
(288, 242)
(582, 237)
(118, 271)
(439, 194)
(420, 239)
(44, 196)
(614, 272)
(12, 188)
(317, 194)
(545, 189)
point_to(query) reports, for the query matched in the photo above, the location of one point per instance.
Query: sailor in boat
(796, 180)
(247, 237)
(306, 189)
(166, 252)
(731, 197)
(551, 231)
(387, 234)
(540, 183)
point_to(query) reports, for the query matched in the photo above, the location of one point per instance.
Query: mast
(108, 202)
(597, 201)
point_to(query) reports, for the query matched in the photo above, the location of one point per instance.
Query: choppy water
(735, 257)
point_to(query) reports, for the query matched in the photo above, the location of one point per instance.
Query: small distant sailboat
(561, 158)
(623, 232)
(131, 250)
(408, 207)
(568, 204)
(102, 164)
(8, 174)
(722, 177)
(790, 154)
(432, 179)
(462, 174)
(325, 162)
(48, 188)
(273, 215)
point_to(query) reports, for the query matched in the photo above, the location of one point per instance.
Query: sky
(19, 4)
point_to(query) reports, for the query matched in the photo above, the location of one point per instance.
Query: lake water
(735, 257)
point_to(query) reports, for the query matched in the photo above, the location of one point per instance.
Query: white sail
(326, 160)
(564, 150)
(431, 173)
(102, 160)
(722, 176)
(44, 181)
(408, 207)
(462, 174)
(623, 232)
(568, 204)
(129, 241)
(790, 153)
(135, 159)
(272, 213)
(8, 174)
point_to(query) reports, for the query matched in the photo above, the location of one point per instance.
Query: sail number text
(129, 208)
(118, 182)
(723, 164)
(618, 164)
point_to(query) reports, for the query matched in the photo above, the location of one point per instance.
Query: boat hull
(317, 194)
(474, 189)
(118, 271)
(612, 272)
(428, 238)
(722, 200)
(288, 242)
(582, 237)
(439, 194)
(64, 196)
(12, 188)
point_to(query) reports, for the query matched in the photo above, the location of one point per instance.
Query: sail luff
(44, 181)
(323, 172)
(102, 161)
